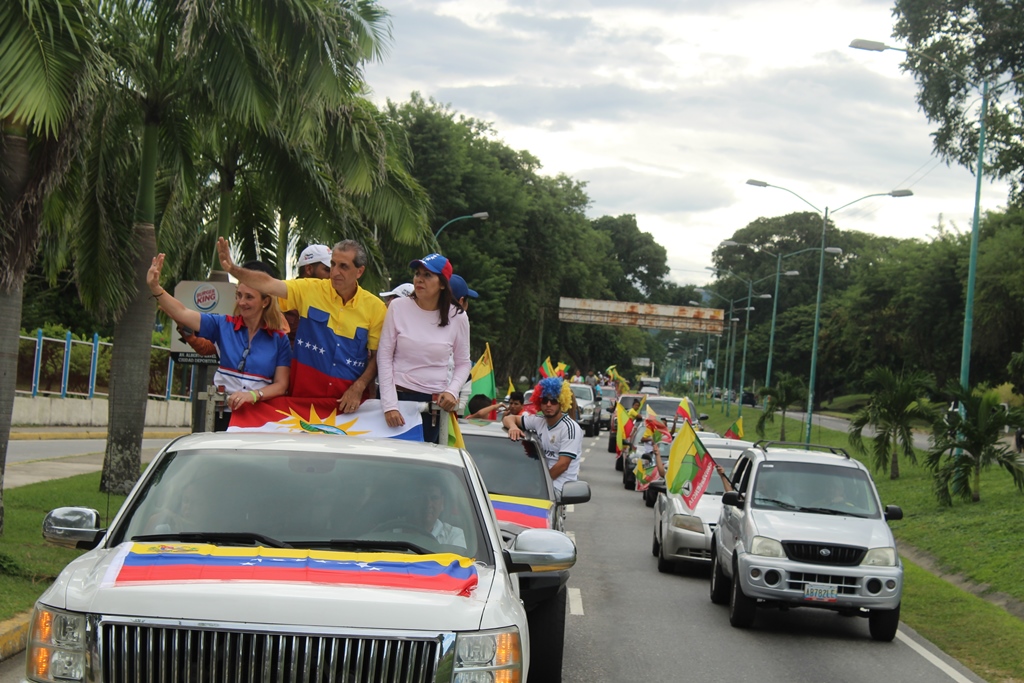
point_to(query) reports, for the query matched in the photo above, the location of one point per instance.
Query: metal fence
(72, 367)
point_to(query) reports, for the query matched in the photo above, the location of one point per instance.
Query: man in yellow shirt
(339, 325)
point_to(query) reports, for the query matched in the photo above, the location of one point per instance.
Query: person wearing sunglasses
(255, 356)
(561, 438)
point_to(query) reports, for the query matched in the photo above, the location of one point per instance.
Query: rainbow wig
(553, 387)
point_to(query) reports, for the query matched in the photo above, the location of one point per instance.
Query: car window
(715, 486)
(582, 392)
(310, 499)
(741, 475)
(814, 487)
(608, 392)
(664, 407)
(506, 468)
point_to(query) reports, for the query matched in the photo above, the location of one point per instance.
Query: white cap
(315, 253)
(404, 289)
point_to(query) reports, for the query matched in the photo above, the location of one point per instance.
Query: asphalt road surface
(29, 449)
(628, 622)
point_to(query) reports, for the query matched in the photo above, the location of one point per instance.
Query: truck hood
(89, 585)
(827, 529)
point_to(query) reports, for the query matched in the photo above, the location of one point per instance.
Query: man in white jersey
(560, 437)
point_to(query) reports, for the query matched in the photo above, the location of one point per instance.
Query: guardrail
(70, 367)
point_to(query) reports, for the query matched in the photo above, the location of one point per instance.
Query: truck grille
(131, 653)
(819, 553)
(845, 585)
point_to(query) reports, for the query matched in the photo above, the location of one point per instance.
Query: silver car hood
(815, 528)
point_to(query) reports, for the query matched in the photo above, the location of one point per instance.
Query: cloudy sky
(666, 108)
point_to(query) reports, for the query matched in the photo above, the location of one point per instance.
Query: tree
(895, 404)
(48, 66)
(970, 41)
(969, 440)
(786, 391)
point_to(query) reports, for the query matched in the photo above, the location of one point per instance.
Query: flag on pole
(511, 387)
(644, 475)
(546, 369)
(736, 430)
(482, 376)
(689, 467)
(621, 418)
(454, 433)
(560, 369)
(683, 410)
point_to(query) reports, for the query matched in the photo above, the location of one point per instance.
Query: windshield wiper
(779, 503)
(831, 511)
(226, 537)
(356, 544)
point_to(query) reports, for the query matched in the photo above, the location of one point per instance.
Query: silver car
(805, 527)
(682, 535)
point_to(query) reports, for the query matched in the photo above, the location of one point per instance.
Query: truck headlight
(880, 557)
(489, 657)
(688, 522)
(56, 649)
(766, 547)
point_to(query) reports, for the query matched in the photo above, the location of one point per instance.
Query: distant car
(517, 481)
(805, 527)
(589, 402)
(665, 408)
(749, 399)
(651, 391)
(607, 405)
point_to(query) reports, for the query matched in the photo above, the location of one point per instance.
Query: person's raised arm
(726, 484)
(658, 462)
(261, 282)
(168, 304)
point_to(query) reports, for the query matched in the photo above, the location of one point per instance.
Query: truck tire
(741, 608)
(883, 624)
(547, 639)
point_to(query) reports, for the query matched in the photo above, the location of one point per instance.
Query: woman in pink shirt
(421, 333)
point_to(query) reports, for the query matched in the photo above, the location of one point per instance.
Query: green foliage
(894, 406)
(785, 393)
(968, 443)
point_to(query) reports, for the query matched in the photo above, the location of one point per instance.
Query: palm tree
(786, 392)
(48, 66)
(968, 440)
(894, 406)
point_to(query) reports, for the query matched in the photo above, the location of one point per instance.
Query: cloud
(620, 190)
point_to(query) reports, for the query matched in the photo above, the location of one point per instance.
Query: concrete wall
(78, 412)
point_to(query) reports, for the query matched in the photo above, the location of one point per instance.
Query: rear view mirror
(893, 513)
(732, 498)
(574, 492)
(73, 527)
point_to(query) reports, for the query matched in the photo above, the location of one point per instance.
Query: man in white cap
(404, 289)
(314, 262)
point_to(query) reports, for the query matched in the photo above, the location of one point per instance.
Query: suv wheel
(611, 440)
(655, 546)
(650, 497)
(741, 608)
(719, 581)
(628, 479)
(883, 623)
(547, 639)
(664, 566)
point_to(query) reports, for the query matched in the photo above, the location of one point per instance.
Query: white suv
(285, 558)
(804, 527)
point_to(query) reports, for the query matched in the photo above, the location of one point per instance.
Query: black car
(748, 398)
(517, 480)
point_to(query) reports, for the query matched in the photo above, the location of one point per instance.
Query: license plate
(820, 592)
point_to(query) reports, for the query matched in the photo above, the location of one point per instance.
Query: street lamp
(482, 215)
(730, 347)
(972, 268)
(821, 279)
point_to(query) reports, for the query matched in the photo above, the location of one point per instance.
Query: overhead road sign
(627, 314)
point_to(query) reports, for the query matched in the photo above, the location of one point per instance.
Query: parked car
(749, 399)
(607, 405)
(517, 480)
(626, 400)
(805, 527)
(589, 403)
(240, 554)
(683, 535)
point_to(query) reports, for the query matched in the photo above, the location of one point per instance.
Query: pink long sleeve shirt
(414, 352)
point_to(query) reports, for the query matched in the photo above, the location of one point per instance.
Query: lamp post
(730, 347)
(482, 215)
(821, 280)
(972, 268)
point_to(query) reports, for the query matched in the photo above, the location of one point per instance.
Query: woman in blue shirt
(255, 357)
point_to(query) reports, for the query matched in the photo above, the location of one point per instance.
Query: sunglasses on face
(553, 401)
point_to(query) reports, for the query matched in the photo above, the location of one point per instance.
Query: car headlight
(489, 657)
(56, 649)
(688, 522)
(766, 547)
(880, 557)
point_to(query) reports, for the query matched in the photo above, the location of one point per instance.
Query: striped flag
(736, 430)
(690, 466)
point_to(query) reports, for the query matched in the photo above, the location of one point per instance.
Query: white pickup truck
(281, 558)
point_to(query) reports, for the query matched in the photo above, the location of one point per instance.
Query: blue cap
(435, 263)
(460, 289)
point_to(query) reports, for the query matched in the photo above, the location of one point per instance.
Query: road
(629, 622)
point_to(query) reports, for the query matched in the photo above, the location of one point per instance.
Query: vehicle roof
(492, 428)
(803, 455)
(320, 443)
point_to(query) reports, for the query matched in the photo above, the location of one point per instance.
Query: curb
(50, 436)
(14, 635)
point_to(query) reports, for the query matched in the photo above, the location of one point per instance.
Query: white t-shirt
(564, 438)
(448, 534)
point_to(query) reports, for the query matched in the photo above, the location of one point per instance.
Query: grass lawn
(981, 541)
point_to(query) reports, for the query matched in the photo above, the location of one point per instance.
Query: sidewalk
(51, 433)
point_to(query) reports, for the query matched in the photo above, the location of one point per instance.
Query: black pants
(431, 420)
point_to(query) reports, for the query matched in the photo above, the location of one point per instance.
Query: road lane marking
(570, 508)
(575, 602)
(919, 649)
(571, 535)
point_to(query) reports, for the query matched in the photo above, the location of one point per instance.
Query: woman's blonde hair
(271, 316)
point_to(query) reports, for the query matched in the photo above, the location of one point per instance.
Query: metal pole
(67, 365)
(771, 336)
(965, 353)
(718, 356)
(92, 363)
(743, 365)
(817, 325)
(540, 341)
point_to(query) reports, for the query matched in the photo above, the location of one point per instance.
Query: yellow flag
(511, 386)
(454, 433)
